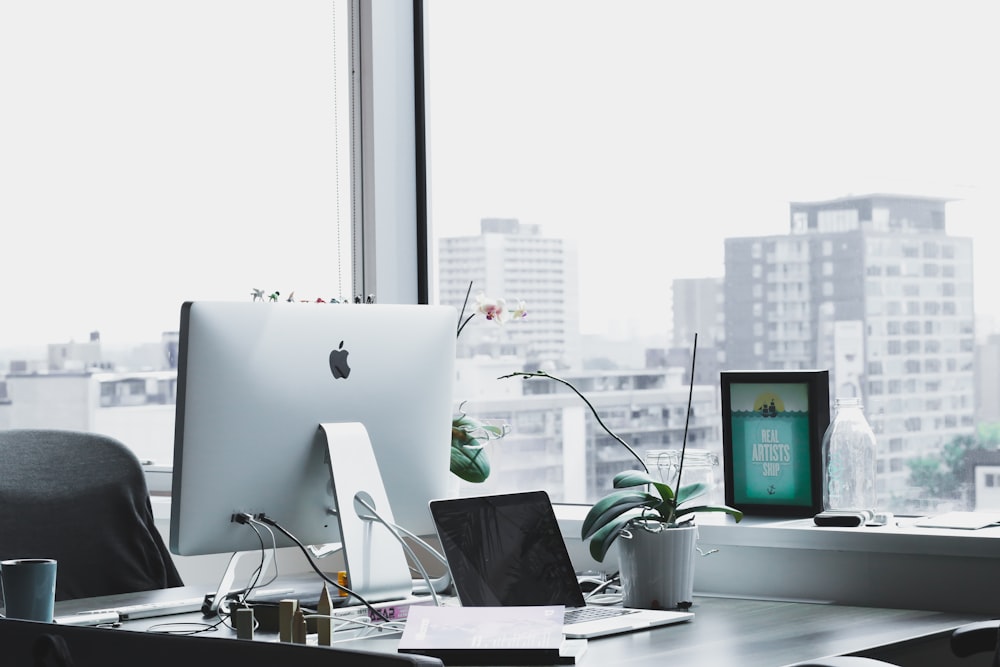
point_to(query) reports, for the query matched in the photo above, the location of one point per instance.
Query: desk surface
(726, 631)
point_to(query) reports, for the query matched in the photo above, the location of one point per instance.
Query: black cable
(185, 627)
(271, 522)
(255, 577)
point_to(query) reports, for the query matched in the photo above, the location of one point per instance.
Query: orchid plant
(469, 435)
(639, 501)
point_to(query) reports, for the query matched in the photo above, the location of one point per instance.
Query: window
(610, 153)
(593, 165)
(153, 153)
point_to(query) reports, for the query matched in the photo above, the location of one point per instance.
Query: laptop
(506, 550)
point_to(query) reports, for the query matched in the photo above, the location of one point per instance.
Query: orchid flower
(492, 309)
(497, 310)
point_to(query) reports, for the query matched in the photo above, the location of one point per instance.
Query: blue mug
(29, 588)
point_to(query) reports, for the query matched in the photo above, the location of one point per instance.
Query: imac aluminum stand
(375, 561)
(211, 606)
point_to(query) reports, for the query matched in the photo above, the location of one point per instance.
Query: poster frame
(817, 384)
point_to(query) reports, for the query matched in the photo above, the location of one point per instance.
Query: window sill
(900, 566)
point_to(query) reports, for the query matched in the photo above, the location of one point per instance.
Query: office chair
(967, 640)
(81, 498)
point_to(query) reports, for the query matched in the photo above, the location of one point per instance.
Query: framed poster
(772, 433)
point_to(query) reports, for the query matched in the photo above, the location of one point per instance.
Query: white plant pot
(657, 566)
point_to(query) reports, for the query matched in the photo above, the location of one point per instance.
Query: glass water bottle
(849, 451)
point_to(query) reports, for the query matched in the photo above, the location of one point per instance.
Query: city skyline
(901, 335)
(647, 152)
(56, 331)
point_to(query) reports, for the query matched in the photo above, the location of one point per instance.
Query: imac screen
(255, 381)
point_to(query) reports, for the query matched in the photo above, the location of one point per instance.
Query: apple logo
(338, 362)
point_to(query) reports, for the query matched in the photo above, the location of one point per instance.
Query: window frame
(391, 230)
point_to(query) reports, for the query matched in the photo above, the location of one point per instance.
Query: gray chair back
(82, 499)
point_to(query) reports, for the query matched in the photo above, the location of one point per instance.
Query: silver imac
(255, 382)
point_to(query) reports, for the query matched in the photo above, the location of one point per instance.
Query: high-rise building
(514, 261)
(698, 308)
(555, 442)
(873, 289)
(988, 380)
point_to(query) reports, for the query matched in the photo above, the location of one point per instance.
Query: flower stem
(593, 410)
(687, 420)
(461, 324)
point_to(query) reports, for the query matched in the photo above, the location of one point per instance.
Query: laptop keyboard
(582, 614)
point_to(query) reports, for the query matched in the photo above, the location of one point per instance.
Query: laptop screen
(506, 550)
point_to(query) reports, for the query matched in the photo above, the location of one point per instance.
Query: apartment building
(515, 261)
(555, 442)
(874, 289)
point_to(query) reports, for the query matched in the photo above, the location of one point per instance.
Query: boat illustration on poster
(770, 435)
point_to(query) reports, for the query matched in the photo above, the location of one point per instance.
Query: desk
(731, 631)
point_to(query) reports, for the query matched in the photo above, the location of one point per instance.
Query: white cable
(422, 543)
(399, 538)
(446, 577)
(259, 573)
(274, 550)
(394, 626)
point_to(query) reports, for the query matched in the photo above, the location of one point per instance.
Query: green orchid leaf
(691, 491)
(630, 478)
(468, 458)
(605, 537)
(731, 511)
(613, 505)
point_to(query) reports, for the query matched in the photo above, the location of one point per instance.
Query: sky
(653, 135)
(648, 131)
(154, 153)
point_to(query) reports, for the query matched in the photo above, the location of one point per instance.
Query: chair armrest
(975, 638)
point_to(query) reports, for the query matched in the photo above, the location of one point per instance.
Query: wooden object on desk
(298, 627)
(323, 624)
(286, 614)
(244, 623)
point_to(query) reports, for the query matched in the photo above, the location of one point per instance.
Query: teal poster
(771, 458)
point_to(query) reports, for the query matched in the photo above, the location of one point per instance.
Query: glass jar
(849, 451)
(699, 466)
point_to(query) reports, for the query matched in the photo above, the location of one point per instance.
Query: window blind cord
(336, 156)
